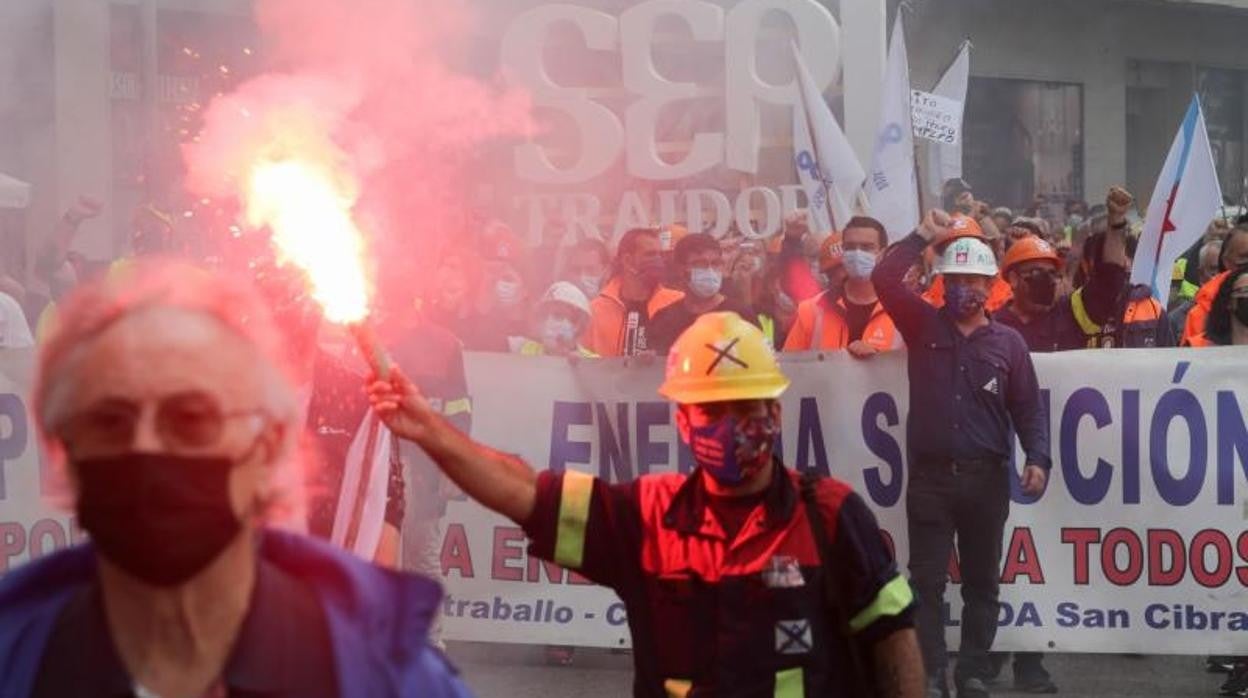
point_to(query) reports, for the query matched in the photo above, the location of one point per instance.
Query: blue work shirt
(965, 391)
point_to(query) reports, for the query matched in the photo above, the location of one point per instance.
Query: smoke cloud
(363, 88)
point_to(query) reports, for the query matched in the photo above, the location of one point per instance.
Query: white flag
(809, 174)
(832, 159)
(944, 162)
(362, 501)
(892, 189)
(1185, 200)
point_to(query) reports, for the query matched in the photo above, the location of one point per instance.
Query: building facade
(1067, 98)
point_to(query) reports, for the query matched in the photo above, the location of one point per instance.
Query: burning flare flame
(308, 211)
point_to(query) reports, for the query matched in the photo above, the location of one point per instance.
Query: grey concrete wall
(1078, 41)
(83, 150)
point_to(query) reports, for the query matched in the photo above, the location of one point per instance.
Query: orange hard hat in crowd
(830, 252)
(963, 226)
(1029, 249)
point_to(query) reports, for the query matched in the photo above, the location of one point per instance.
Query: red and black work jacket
(714, 617)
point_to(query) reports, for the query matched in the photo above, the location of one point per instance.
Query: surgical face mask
(507, 291)
(590, 285)
(1074, 220)
(558, 332)
(859, 264)
(160, 517)
(705, 283)
(1041, 290)
(732, 449)
(964, 301)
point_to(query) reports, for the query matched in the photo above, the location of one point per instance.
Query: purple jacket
(378, 619)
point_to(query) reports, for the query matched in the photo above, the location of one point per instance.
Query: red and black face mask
(733, 449)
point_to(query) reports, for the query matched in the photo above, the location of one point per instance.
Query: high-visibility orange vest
(1139, 321)
(607, 317)
(1202, 304)
(821, 324)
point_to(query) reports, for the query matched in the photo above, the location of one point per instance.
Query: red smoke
(363, 87)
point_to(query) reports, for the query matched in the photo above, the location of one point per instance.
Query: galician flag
(1185, 200)
(892, 188)
(825, 161)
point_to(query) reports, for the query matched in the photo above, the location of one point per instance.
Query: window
(1158, 94)
(1024, 139)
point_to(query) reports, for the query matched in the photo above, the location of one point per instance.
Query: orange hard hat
(964, 226)
(1030, 249)
(830, 252)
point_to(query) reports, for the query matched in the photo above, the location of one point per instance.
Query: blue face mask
(507, 292)
(733, 449)
(705, 283)
(558, 332)
(964, 301)
(859, 264)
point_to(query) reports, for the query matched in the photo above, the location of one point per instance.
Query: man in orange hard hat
(1032, 267)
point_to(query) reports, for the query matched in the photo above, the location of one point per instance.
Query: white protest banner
(936, 118)
(1139, 545)
(30, 525)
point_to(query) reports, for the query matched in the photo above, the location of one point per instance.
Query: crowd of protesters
(1062, 284)
(807, 289)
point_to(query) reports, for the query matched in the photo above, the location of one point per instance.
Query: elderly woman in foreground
(163, 399)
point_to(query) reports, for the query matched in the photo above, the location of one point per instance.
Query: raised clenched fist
(1118, 202)
(935, 225)
(86, 207)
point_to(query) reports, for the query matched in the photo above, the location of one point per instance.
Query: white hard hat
(568, 294)
(968, 256)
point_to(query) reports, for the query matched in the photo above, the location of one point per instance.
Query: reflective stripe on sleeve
(454, 407)
(577, 489)
(789, 684)
(677, 688)
(1081, 314)
(890, 601)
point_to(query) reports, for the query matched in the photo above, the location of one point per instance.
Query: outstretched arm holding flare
(500, 481)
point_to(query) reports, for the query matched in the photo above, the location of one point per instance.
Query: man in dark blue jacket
(971, 384)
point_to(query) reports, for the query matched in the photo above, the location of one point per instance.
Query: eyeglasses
(185, 421)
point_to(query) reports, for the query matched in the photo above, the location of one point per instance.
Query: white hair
(1212, 248)
(145, 285)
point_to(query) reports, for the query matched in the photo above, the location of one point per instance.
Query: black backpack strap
(861, 682)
